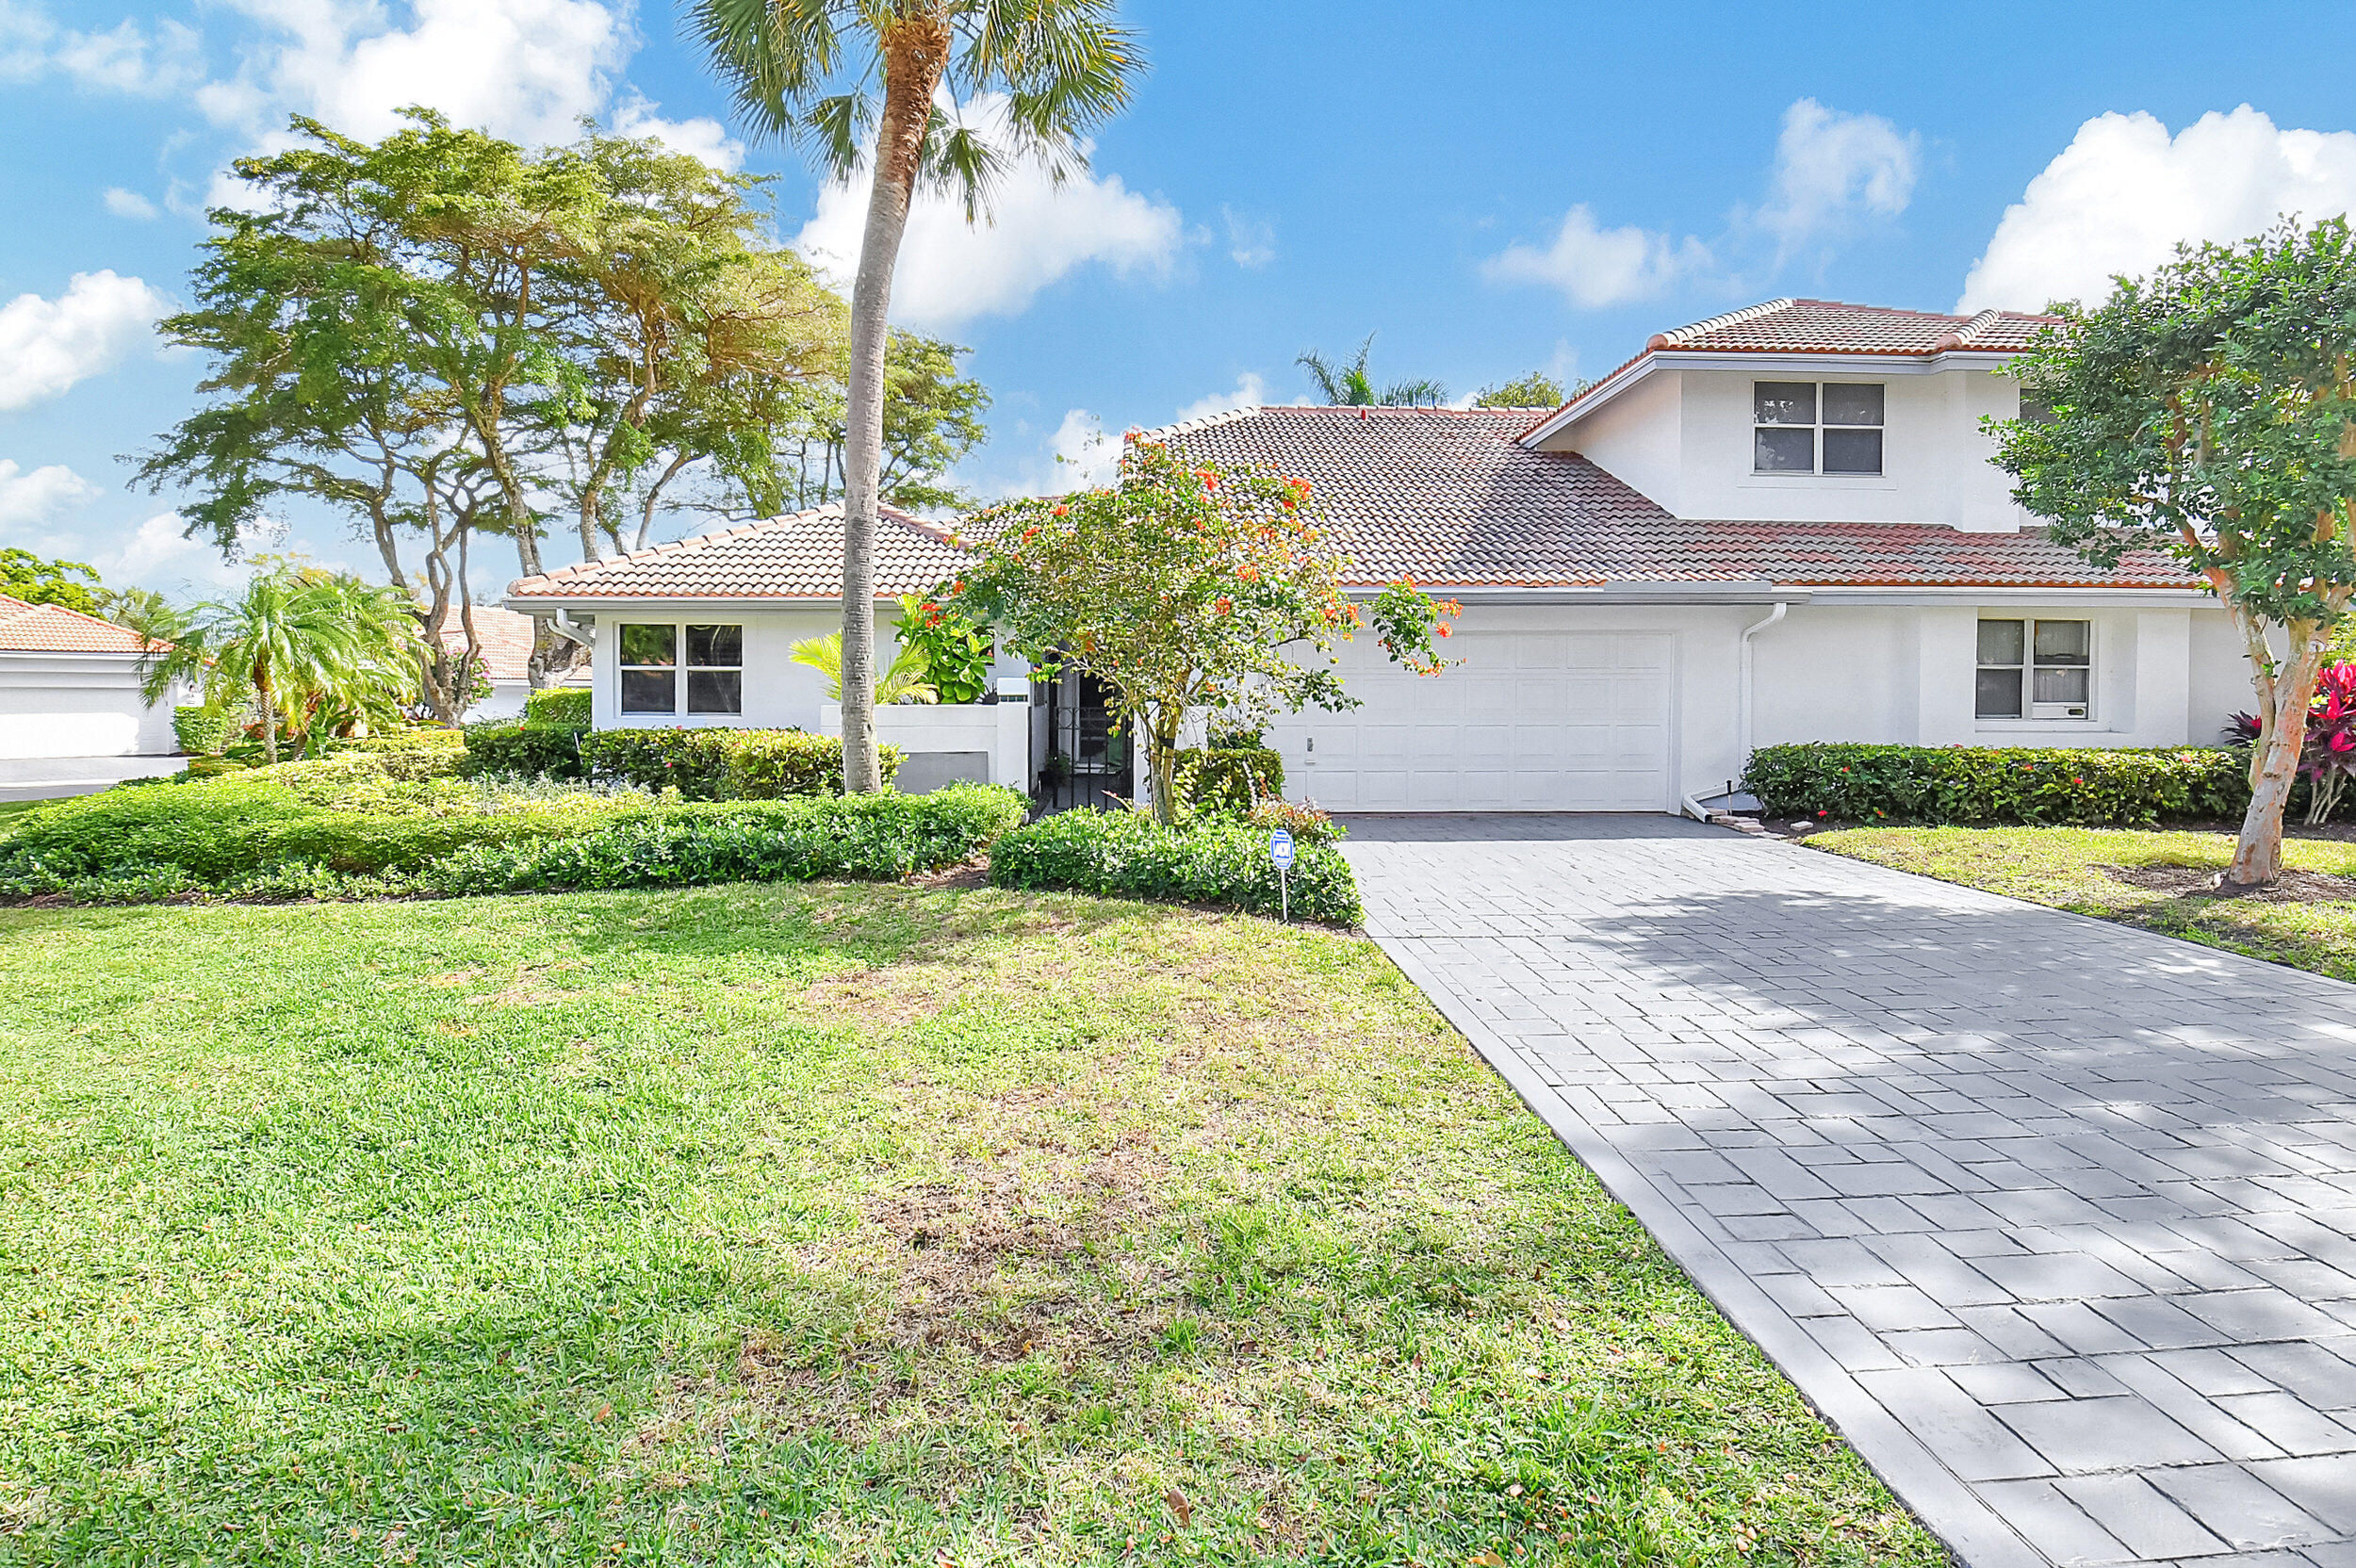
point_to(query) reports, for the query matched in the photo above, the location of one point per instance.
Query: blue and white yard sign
(1280, 849)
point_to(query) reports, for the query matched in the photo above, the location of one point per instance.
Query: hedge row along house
(1780, 524)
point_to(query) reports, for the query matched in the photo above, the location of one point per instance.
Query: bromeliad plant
(1185, 586)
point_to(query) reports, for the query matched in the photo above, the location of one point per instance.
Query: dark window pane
(1999, 694)
(2036, 411)
(648, 692)
(715, 691)
(2001, 642)
(1851, 452)
(1783, 402)
(2065, 643)
(648, 644)
(1785, 452)
(1846, 403)
(2065, 683)
(715, 645)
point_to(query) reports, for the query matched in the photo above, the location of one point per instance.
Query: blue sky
(1490, 189)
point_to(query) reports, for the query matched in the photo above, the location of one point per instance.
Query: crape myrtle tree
(1184, 587)
(888, 84)
(2209, 411)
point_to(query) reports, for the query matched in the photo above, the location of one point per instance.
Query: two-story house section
(1780, 524)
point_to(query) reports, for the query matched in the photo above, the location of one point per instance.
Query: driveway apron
(2053, 1219)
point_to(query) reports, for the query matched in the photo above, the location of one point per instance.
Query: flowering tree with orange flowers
(1185, 586)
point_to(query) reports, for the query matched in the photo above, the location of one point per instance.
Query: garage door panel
(1532, 721)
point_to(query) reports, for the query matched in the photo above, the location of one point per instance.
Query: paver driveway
(2055, 1220)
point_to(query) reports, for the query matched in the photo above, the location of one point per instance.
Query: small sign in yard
(1280, 849)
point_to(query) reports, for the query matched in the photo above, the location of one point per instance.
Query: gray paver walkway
(2055, 1220)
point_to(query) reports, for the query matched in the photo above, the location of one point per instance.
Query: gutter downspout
(1743, 679)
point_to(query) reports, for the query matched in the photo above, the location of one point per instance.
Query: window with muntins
(1805, 427)
(652, 670)
(2034, 669)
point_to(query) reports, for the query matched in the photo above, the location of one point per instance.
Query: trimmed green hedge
(544, 750)
(723, 764)
(1977, 786)
(1202, 862)
(1229, 779)
(564, 706)
(203, 731)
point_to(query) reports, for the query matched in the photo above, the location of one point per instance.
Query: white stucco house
(70, 688)
(1780, 524)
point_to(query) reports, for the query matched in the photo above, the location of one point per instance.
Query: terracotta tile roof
(1450, 498)
(504, 636)
(51, 628)
(1833, 327)
(798, 556)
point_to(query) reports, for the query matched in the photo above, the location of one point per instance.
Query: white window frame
(2032, 710)
(678, 670)
(1816, 428)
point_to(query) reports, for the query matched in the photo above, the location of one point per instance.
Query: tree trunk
(270, 716)
(1161, 765)
(2283, 697)
(915, 52)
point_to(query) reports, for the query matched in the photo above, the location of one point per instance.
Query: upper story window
(2034, 669)
(652, 671)
(1805, 427)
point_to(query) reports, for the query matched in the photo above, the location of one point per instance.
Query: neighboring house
(505, 640)
(70, 688)
(1780, 524)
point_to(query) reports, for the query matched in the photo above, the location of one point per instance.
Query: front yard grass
(807, 1224)
(2147, 879)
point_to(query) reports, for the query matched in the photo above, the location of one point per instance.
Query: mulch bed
(2295, 887)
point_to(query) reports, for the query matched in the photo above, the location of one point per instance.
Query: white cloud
(1250, 392)
(48, 345)
(1595, 267)
(144, 61)
(950, 271)
(29, 497)
(701, 136)
(2124, 194)
(1833, 167)
(1250, 242)
(127, 204)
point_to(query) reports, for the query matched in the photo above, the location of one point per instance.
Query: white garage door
(1532, 721)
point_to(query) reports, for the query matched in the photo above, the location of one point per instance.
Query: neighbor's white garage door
(1529, 722)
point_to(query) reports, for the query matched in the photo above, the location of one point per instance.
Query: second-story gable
(1810, 411)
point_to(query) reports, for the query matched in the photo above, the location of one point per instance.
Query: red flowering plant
(2326, 756)
(1185, 586)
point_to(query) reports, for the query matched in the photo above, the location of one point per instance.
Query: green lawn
(829, 1224)
(2090, 870)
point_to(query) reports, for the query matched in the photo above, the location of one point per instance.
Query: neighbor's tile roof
(796, 556)
(51, 628)
(1450, 498)
(504, 637)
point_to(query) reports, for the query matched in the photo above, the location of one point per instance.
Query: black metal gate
(1090, 765)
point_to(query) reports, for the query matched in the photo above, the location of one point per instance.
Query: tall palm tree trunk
(916, 51)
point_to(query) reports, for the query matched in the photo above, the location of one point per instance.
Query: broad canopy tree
(1184, 588)
(885, 85)
(2209, 411)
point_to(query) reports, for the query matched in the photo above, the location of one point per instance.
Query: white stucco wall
(78, 705)
(778, 693)
(1684, 437)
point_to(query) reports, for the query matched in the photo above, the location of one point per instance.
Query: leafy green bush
(419, 751)
(1203, 861)
(1975, 786)
(544, 750)
(1306, 823)
(723, 764)
(1229, 779)
(567, 707)
(203, 731)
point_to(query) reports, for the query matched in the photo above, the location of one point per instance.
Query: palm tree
(298, 641)
(1352, 386)
(831, 72)
(906, 681)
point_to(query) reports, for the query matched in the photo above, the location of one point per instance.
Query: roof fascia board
(2107, 597)
(1740, 592)
(548, 604)
(1632, 375)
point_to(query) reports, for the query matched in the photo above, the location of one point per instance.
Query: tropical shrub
(1979, 786)
(1205, 861)
(955, 652)
(2327, 758)
(203, 730)
(723, 764)
(567, 707)
(1306, 823)
(1228, 779)
(547, 750)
